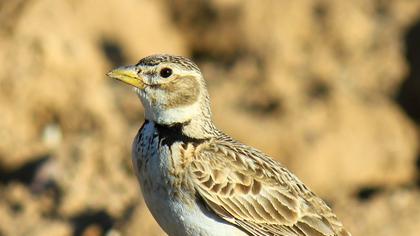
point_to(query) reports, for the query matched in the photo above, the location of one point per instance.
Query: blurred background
(330, 88)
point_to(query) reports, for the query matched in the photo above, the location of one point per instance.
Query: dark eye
(166, 72)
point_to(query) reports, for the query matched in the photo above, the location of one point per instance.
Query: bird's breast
(160, 165)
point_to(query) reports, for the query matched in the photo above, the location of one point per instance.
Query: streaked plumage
(198, 181)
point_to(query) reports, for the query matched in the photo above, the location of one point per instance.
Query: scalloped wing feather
(249, 189)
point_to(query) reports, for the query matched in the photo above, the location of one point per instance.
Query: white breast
(152, 164)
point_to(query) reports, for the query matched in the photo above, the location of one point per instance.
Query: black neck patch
(170, 134)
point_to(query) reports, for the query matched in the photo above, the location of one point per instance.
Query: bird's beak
(129, 75)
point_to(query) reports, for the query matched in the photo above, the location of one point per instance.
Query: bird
(198, 181)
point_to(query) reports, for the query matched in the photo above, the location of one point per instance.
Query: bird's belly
(179, 219)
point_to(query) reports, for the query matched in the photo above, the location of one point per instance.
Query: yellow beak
(127, 74)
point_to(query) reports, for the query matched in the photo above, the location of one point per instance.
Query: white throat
(197, 126)
(178, 115)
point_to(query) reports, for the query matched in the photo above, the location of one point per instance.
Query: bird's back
(249, 189)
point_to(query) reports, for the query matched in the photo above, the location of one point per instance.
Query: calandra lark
(195, 179)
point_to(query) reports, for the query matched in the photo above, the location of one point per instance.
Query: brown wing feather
(249, 189)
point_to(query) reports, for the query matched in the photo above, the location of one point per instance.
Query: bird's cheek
(181, 93)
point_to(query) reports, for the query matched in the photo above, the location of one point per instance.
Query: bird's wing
(248, 189)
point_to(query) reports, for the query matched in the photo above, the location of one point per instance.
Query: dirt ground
(329, 88)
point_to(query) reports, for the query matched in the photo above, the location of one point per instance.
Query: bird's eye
(165, 72)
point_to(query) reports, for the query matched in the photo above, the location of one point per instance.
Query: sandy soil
(329, 88)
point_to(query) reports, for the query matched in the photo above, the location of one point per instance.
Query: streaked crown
(155, 60)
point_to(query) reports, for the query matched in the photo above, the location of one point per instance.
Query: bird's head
(171, 88)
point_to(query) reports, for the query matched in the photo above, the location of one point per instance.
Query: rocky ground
(330, 88)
